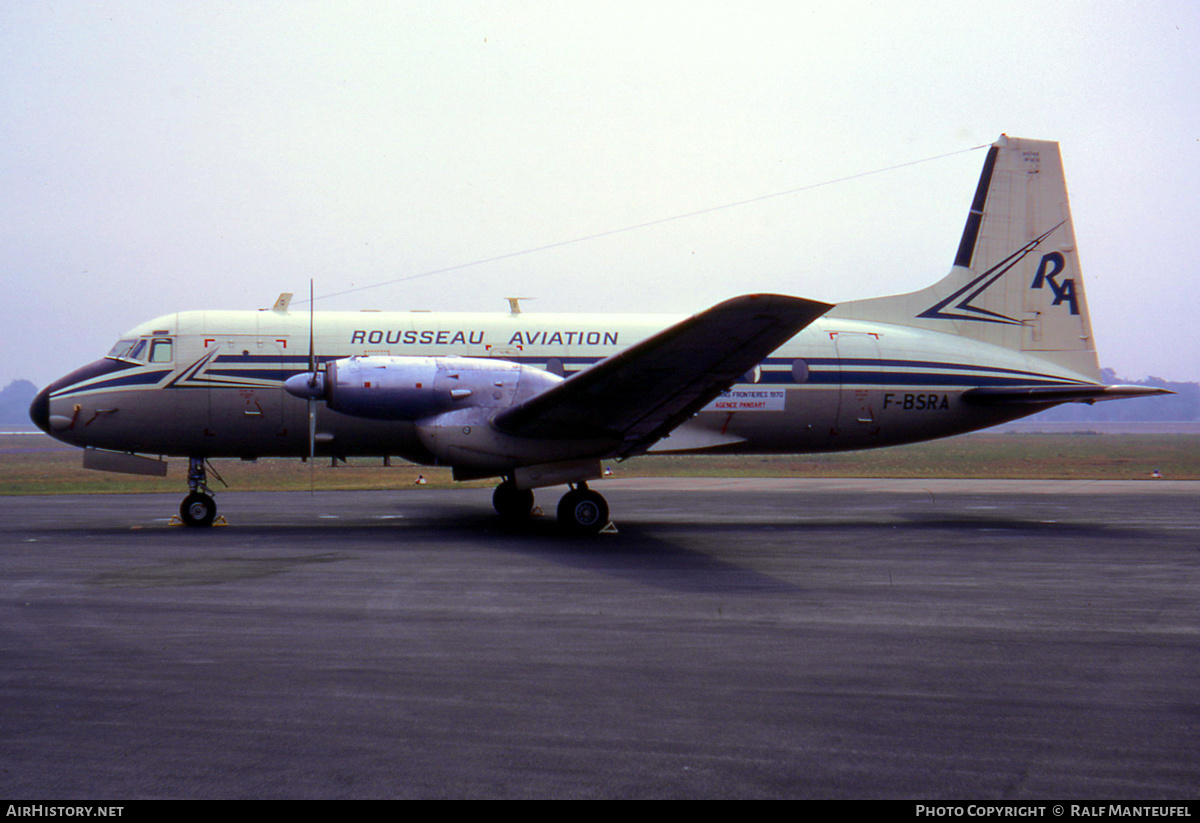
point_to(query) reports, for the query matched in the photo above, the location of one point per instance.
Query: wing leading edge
(638, 396)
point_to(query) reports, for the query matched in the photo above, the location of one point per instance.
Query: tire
(511, 503)
(198, 510)
(583, 511)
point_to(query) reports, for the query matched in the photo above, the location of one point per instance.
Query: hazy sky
(165, 156)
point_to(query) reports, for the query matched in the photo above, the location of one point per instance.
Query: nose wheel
(583, 511)
(198, 509)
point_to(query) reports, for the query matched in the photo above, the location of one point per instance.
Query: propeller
(312, 381)
(311, 384)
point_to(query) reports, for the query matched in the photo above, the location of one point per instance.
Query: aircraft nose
(39, 410)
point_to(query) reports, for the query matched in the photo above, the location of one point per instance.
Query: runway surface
(915, 639)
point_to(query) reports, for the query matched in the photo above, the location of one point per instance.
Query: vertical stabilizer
(1016, 279)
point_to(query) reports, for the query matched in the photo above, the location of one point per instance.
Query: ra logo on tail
(963, 303)
(1064, 291)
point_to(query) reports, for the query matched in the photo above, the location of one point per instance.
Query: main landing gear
(581, 510)
(198, 509)
(513, 504)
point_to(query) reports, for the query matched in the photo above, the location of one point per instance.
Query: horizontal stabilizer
(1017, 395)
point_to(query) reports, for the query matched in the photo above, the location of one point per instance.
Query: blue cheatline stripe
(886, 378)
(841, 364)
(278, 375)
(275, 359)
(140, 379)
(912, 364)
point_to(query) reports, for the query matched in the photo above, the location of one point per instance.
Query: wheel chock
(218, 521)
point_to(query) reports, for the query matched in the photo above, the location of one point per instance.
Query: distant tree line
(15, 400)
(1183, 405)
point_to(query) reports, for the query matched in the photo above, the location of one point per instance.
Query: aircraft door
(858, 364)
(248, 408)
(272, 400)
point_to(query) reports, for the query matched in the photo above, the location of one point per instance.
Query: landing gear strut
(198, 508)
(582, 510)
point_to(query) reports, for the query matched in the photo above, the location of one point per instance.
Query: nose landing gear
(198, 509)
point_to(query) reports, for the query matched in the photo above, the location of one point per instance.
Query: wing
(637, 396)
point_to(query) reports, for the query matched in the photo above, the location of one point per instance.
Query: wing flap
(637, 396)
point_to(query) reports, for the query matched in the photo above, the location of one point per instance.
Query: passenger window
(161, 351)
(799, 371)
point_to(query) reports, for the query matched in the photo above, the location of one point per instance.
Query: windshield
(127, 349)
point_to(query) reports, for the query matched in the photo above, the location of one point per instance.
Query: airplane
(540, 400)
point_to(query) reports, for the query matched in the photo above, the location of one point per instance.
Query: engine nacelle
(412, 388)
(466, 440)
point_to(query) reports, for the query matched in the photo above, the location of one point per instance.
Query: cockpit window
(128, 350)
(122, 348)
(161, 350)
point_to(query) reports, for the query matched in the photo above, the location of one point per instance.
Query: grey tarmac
(735, 638)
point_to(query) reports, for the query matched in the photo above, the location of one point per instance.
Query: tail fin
(1016, 279)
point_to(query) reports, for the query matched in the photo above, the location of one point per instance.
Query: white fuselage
(210, 384)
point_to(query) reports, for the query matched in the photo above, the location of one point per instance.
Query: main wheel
(512, 503)
(583, 511)
(198, 510)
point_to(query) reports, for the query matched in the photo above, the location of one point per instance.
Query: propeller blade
(312, 428)
(312, 380)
